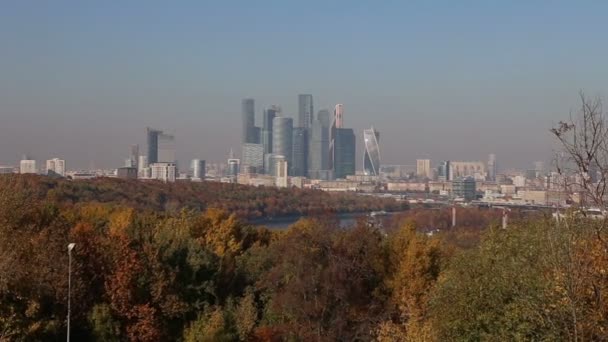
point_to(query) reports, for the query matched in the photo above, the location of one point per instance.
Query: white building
(281, 173)
(423, 168)
(165, 172)
(55, 166)
(27, 166)
(6, 170)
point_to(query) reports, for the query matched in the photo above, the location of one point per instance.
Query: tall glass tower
(249, 129)
(371, 155)
(282, 137)
(269, 115)
(305, 110)
(299, 164)
(152, 140)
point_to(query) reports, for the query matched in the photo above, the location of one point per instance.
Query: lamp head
(71, 246)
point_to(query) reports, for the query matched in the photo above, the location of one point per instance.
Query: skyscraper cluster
(310, 147)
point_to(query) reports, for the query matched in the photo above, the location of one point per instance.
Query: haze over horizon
(444, 80)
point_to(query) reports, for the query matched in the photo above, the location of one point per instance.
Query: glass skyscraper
(282, 137)
(318, 153)
(299, 163)
(269, 115)
(371, 155)
(152, 142)
(342, 152)
(251, 134)
(305, 110)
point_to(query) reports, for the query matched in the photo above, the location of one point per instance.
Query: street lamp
(70, 247)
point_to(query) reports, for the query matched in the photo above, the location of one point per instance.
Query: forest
(143, 273)
(244, 201)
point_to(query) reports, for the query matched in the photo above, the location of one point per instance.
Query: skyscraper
(323, 117)
(339, 116)
(166, 148)
(371, 155)
(134, 155)
(318, 154)
(299, 164)
(250, 133)
(492, 167)
(444, 171)
(152, 140)
(305, 110)
(269, 115)
(282, 137)
(342, 151)
(253, 157)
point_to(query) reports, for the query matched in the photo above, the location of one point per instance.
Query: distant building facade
(444, 171)
(282, 137)
(253, 157)
(198, 168)
(55, 167)
(423, 168)
(126, 172)
(305, 110)
(464, 187)
(371, 153)
(342, 152)
(492, 167)
(27, 166)
(165, 172)
(251, 133)
(299, 162)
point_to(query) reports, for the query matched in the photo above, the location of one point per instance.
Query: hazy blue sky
(448, 80)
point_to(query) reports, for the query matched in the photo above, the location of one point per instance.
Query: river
(345, 219)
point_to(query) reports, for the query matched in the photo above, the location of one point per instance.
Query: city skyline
(429, 78)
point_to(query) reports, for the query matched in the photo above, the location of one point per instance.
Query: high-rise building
(269, 115)
(161, 147)
(251, 133)
(371, 154)
(299, 157)
(253, 157)
(133, 157)
(282, 137)
(55, 167)
(464, 187)
(165, 172)
(342, 152)
(492, 167)
(305, 110)
(339, 116)
(270, 160)
(444, 171)
(281, 173)
(142, 162)
(323, 117)
(198, 169)
(27, 166)
(476, 169)
(166, 148)
(152, 141)
(318, 154)
(233, 167)
(423, 168)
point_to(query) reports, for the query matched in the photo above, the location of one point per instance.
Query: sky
(457, 80)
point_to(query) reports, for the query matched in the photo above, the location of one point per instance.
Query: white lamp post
(70, 247)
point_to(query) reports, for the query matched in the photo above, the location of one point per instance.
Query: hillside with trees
(242, 200)
(191, 275)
